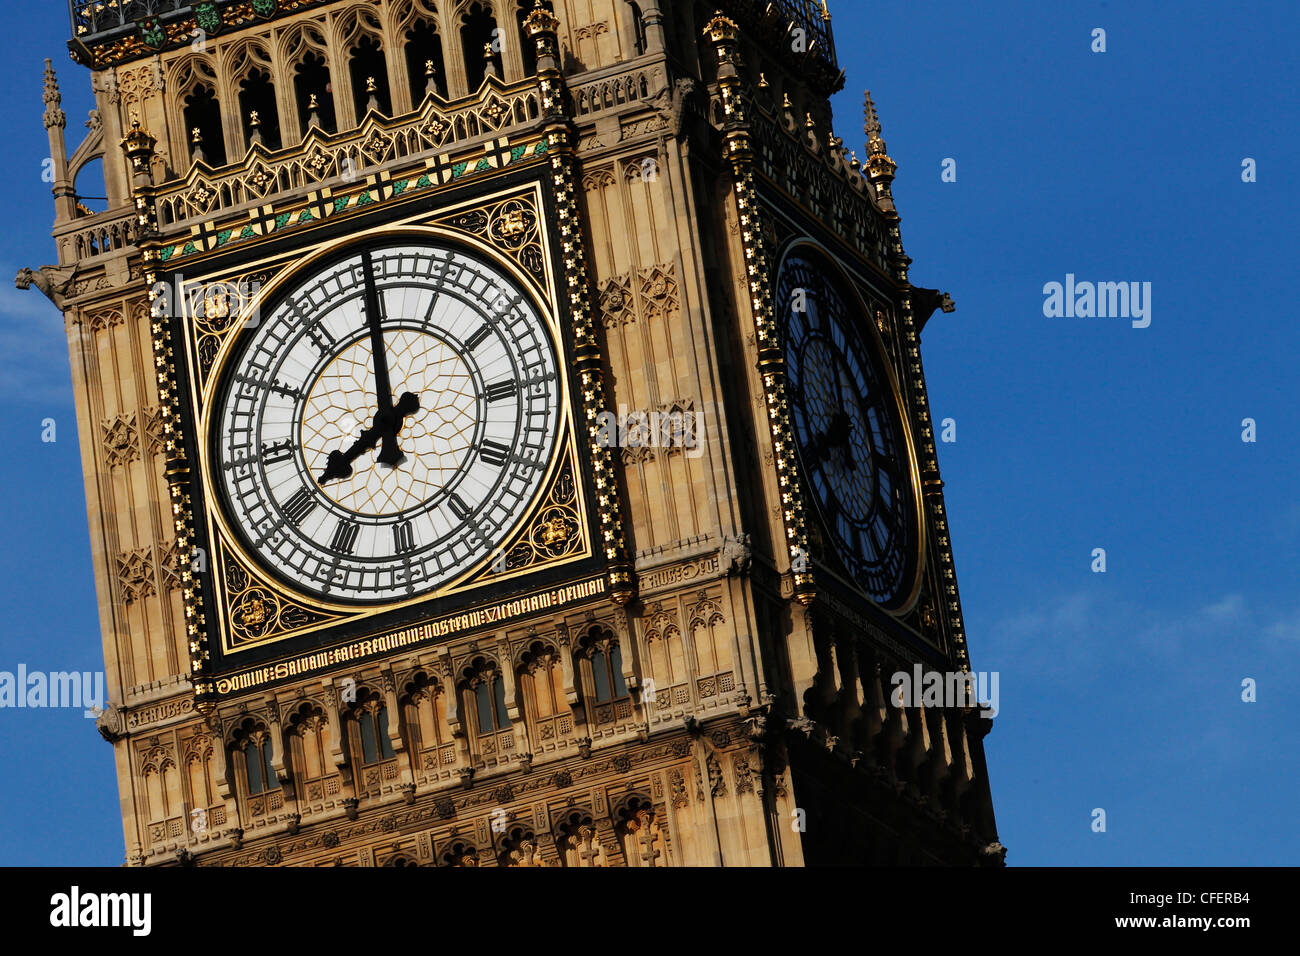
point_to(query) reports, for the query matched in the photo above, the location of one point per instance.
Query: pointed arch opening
(202, 114)
(425, 66)
(368, 71)
(257, 109)
(314, 94)
(481, 41)
(527, 48)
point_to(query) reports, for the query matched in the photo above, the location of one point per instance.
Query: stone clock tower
(506, 441)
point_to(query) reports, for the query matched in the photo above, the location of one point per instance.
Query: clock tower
(506, 441)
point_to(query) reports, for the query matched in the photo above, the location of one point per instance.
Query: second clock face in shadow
(847, 427)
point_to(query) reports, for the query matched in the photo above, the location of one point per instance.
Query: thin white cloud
(1084, 633)
(34, 366)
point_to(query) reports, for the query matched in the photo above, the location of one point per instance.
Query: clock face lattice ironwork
(847, 427)
(387, 422)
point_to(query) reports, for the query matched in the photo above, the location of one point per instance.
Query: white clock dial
(368, 474)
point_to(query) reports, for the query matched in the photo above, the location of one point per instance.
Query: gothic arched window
(426, 725)
(526, 45)
(203, 120)
(484, 689)
(424, 62)
(638, 27)
(481, 41)
(314, 93)
(366, 730)
(257, 109)
(546, 706)
(603, 684)
(309, 738)
(253, 761)
(369, 73)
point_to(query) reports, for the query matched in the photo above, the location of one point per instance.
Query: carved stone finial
(489, 62)
(540, 20)
(721, 29)
(54, 116)
(880, 168)
(871, 125)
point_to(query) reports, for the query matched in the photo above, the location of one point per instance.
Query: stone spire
(54, 115)
(65, 200)
(880, 168)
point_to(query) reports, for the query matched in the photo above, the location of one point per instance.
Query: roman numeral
(299, 506)
(478, 338)
(345, 537)
(458, 507)
(494, 453)
(277, 452)
(288, 391)
(500, 390)
(403, 538)
(321, 337)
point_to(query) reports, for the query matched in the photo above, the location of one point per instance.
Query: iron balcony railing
(93, 18)
(804, 26)
(97, 19)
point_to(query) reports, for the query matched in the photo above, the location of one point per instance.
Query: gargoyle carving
(925, 301)
(55, 282)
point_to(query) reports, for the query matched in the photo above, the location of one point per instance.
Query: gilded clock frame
(223, 540)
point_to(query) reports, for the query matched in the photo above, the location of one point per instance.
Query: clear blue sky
(1119, 690)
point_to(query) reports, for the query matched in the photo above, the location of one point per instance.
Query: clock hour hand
(382, 431)
(339, 463)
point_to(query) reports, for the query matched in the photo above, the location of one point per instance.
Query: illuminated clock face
(387, 422)
(847, 427)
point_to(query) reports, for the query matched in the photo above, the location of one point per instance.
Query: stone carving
(53, 282)
(736, 555)
(135, 574)
(120, 440)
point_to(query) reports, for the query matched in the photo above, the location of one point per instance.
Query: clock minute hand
(389, 424)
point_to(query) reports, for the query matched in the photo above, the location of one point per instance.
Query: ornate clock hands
(390, 417)
(384, 429)
(844, 423)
